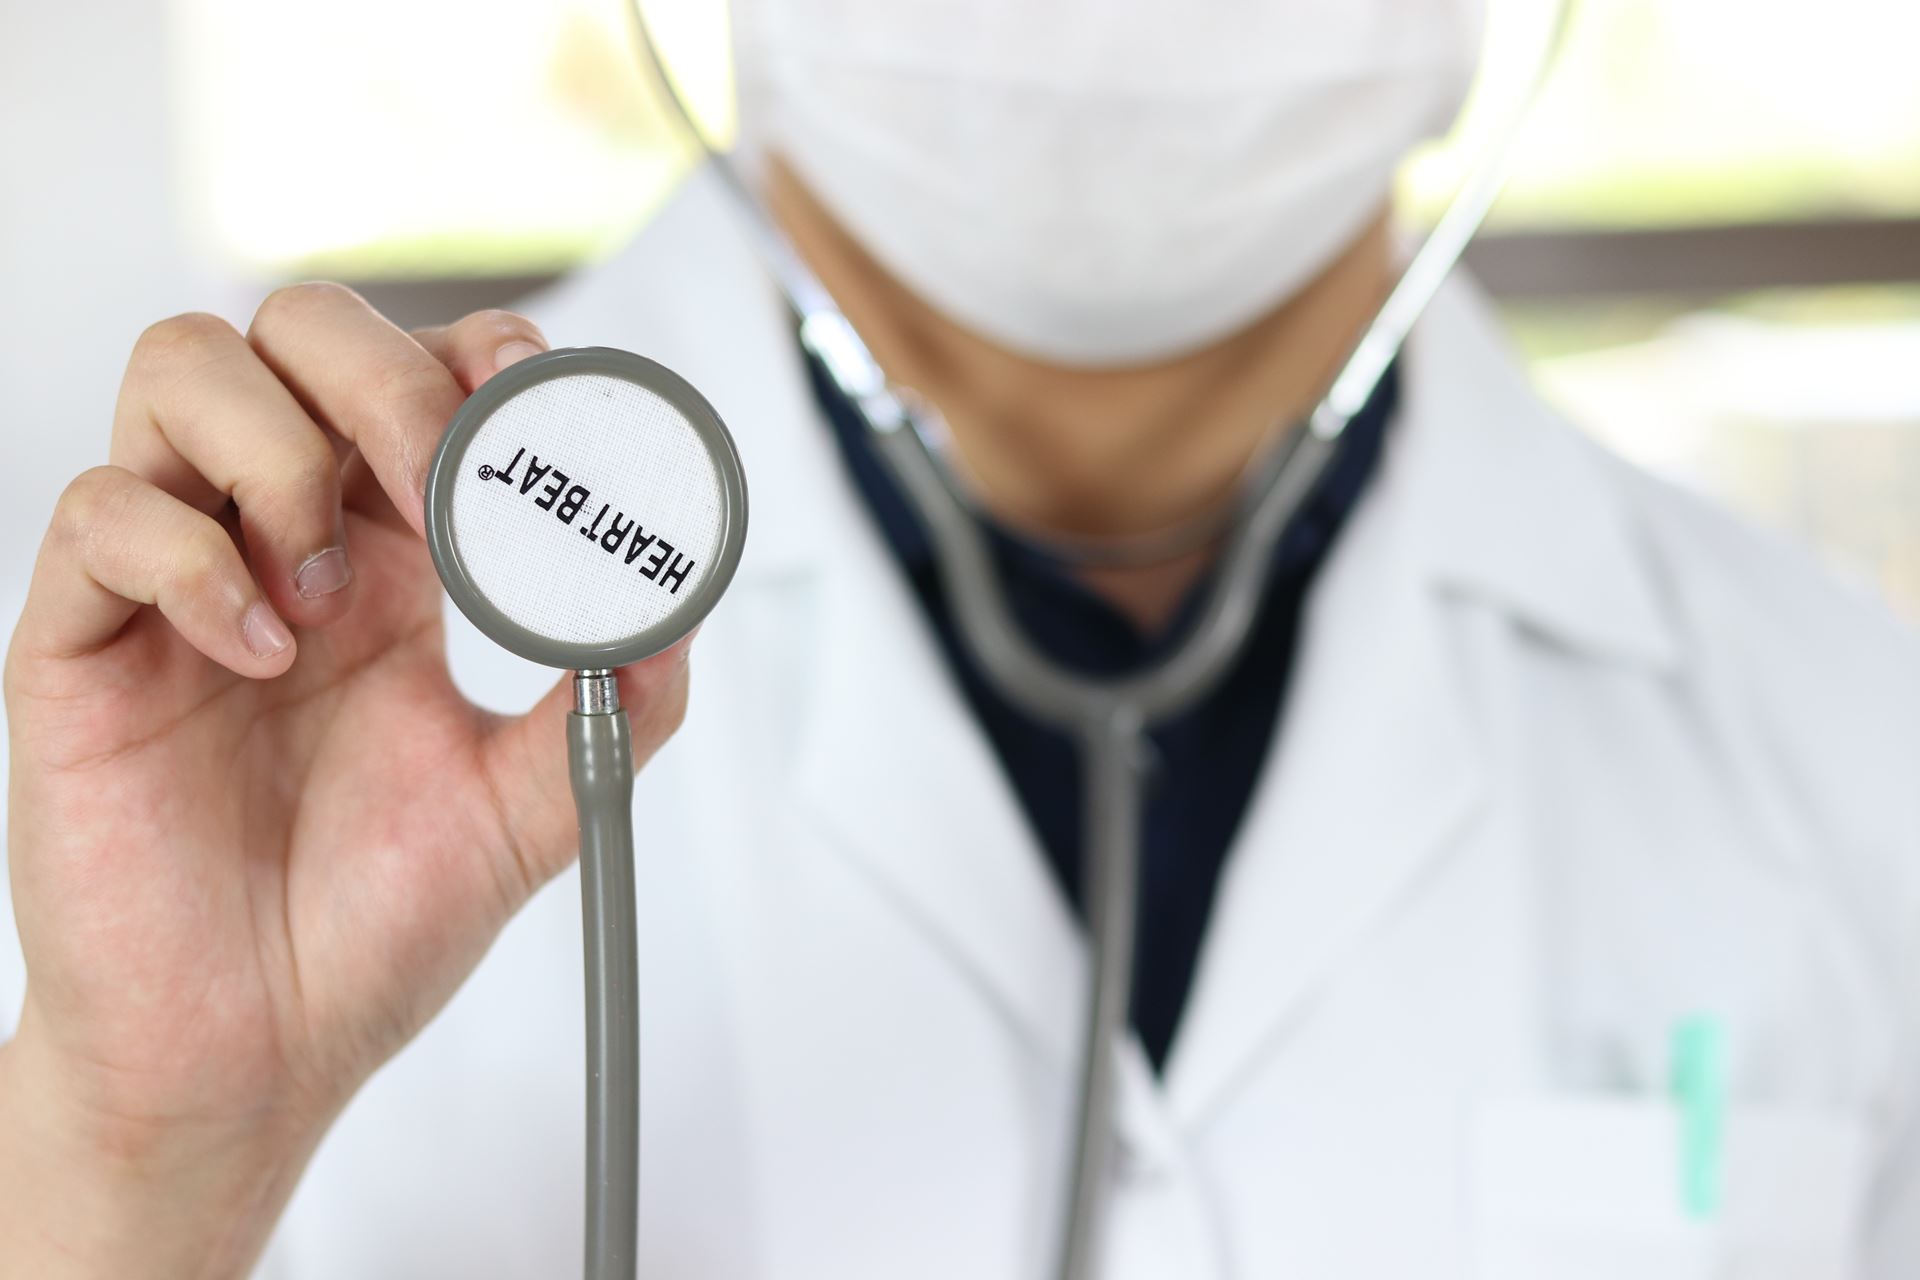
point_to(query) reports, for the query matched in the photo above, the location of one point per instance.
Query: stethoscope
(1109, 717)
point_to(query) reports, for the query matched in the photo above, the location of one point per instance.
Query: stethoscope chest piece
(586, 508)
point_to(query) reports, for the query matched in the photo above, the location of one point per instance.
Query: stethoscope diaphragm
(586, 508)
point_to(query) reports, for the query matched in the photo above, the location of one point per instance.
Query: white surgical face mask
(1101, 182)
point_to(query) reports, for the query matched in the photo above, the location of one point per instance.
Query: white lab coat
(1566, 758)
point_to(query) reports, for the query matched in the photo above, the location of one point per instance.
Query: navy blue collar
(1296, 555)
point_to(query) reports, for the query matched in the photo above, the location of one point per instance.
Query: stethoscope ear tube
(600, 768)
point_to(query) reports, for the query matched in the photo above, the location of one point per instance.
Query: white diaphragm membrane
(584, 507)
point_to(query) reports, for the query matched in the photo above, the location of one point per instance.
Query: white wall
(91, 249)
(90, 254)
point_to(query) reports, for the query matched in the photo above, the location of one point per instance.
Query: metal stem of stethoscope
(1111, 717)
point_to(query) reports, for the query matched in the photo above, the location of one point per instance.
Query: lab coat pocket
(1564, 1189)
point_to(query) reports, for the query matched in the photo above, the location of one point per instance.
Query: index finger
(362, 376)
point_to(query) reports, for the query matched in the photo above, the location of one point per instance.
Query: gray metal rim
(480, 406)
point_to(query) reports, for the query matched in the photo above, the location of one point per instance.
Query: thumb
(525, 761)
(482, 344)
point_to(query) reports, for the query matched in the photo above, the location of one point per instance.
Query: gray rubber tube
(600, 756)
(1113, 756)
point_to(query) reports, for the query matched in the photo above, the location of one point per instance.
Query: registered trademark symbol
(486, 472)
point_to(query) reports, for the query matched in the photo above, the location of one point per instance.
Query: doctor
(1536, 762)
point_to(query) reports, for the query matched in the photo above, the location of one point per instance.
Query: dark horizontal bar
(1707, 260)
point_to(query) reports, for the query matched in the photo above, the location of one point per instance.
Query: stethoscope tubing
(600, 771)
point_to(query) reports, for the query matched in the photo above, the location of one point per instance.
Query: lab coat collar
(1516, 509)
(1482, 497)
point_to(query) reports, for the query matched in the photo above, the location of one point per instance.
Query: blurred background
(1710, 250)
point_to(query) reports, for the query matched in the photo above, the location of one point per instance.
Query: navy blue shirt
(1206, 761)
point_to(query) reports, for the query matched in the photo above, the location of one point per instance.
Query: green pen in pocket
(1700, 1087)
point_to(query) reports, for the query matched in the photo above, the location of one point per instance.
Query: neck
(1101, 452)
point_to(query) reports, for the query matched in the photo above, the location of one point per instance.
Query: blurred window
(1682, 112)
(382, 139)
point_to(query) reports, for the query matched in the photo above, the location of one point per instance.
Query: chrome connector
(595, 693)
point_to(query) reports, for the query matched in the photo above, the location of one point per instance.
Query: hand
(257, 836)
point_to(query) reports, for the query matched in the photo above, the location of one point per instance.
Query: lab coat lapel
(902, 781)
(1372, 778)
(1485, 506)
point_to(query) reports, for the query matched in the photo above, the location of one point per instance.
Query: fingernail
(324, 573)
(266, 634)
(513, 353)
